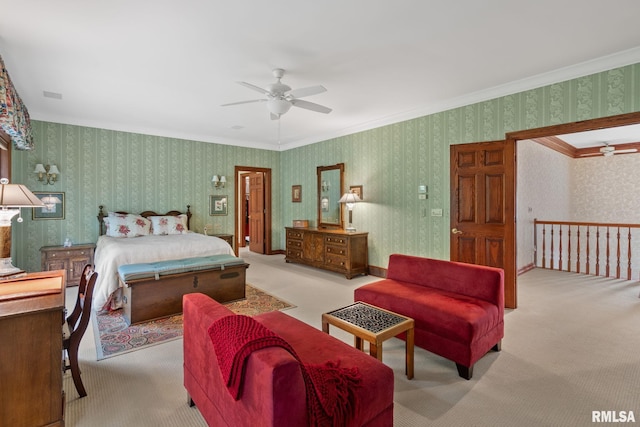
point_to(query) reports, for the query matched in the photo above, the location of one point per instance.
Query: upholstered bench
(154, 290)
(458, 308)
(274, 392)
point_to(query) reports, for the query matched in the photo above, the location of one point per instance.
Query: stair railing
(601, 249)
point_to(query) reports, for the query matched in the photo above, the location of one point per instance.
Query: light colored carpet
(572, 347)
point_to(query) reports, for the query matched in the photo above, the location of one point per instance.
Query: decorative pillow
(169, 224)
(127, 225)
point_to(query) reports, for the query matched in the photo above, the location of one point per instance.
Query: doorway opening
(253, 209)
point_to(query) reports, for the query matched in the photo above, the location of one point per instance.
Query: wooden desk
(31, 352)
(374, 325)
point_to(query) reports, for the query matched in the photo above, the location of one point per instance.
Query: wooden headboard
(102, 214)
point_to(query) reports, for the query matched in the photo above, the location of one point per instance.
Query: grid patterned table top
(367, 317)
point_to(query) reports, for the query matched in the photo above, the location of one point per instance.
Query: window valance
(14, 117)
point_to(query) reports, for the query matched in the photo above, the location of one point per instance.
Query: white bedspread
(112, 252)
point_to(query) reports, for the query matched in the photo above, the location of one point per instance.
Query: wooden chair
(76, 323)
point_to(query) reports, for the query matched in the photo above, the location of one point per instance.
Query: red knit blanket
(331, 399)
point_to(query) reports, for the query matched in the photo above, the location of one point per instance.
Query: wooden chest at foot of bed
(160, 295)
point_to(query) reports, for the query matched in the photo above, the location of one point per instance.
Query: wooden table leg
(325, 326)
(409, 354)
(358, 343)
(375, 349)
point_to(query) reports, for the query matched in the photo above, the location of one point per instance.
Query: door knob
(456, 231)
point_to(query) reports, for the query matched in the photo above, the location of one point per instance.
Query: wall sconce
(219, 181)
(325, 186)
(350, 199)
(49, 172)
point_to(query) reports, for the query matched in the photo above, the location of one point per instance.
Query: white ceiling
(601, 137)
(164, 67)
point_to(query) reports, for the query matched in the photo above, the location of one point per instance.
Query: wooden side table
(375, 325)
(72, 259)
(226, 237)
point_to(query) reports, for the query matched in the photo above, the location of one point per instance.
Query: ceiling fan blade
(628, 150)
(307, 91)
(243, 102)
(310, 106)
(591, 154)
(254, 87)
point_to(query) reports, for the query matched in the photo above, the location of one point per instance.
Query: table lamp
(350, 199)
(12, 198)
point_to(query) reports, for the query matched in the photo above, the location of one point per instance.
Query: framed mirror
(330, 188)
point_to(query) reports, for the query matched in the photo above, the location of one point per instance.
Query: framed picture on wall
(356, 189)
(296, 193)
(53, 205)
(217, 205)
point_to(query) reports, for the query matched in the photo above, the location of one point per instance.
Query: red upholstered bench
(274, 392)
(458, 308)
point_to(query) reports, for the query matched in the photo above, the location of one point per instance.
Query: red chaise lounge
(274, 392)
(458, 308)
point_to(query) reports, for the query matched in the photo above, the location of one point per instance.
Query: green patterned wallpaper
(125, 171)
(391, 161)
(135, 172)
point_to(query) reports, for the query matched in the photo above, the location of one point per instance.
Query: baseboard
(377, 271)
(526, 268)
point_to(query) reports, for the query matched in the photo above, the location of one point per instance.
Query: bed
(146, 238)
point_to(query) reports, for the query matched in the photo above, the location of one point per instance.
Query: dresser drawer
(67, 254)
(336, 250)
(297, 244)
(294, 253)
(336, 260)
(335, 240)
(293, 234)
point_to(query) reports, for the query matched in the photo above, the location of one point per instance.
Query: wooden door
(256, 212)
(243, 219)
(483, 208)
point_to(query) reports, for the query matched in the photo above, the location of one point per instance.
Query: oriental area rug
(114, 337)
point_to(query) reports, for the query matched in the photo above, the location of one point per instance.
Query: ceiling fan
(280, 97)
(610, 150)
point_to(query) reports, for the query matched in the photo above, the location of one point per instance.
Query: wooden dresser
(72, 259)
(334, 250)
(31, 352)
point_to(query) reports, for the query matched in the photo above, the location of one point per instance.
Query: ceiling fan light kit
(280, 97)
(278, 106)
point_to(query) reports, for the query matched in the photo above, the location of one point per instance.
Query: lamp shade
(54, 170)
(17, 196)
(215, 178)
(223, 178)
(40, 168)
(349, 198)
